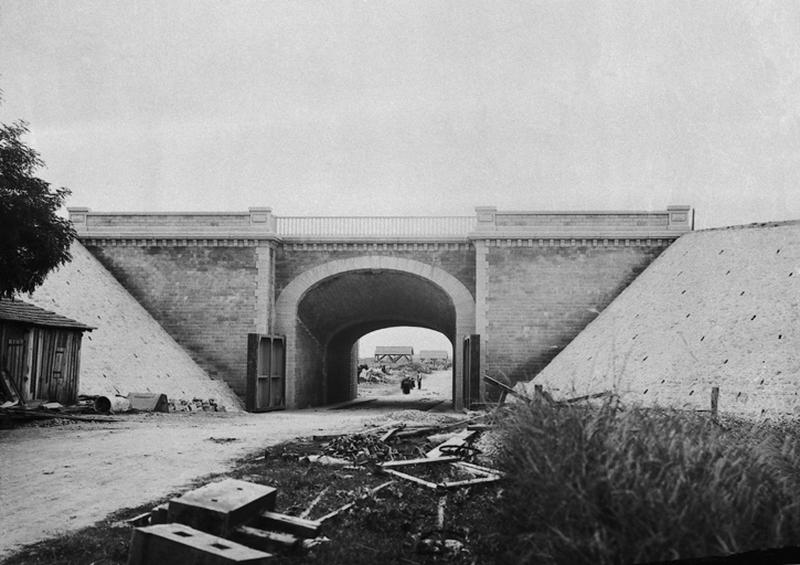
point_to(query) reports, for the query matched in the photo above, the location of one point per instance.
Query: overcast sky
(317, 107)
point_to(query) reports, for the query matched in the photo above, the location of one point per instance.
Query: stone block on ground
(178, 544)
(148, 401)
(218, 508)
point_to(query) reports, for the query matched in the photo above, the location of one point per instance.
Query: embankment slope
(719, 308)
(129, 351)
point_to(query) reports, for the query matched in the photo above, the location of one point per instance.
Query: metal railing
(375, 226)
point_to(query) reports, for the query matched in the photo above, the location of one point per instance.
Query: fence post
(714, 401)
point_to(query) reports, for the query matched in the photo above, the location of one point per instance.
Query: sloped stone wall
(129, 351)
(718, 308)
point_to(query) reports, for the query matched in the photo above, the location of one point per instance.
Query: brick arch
(286, 305)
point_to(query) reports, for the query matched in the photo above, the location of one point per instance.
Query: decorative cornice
(410, 245)
(580, 242)
(377, 245)
(173, 242)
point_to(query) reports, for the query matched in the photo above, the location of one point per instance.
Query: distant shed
(435, 359)
(433, 355)
(39, 352)
(393, 353)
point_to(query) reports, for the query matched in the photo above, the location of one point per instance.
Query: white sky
(418, 338)
(325, 108)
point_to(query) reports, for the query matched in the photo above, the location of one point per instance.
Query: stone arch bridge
(524, 282)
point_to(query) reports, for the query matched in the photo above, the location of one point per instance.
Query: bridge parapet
(256, 223)
(666, 224)
(488, 223)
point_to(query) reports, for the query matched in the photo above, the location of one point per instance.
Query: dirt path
(436, 385)
(57, 479)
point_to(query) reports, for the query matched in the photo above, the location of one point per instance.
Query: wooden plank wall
(49, 357)
(13, 355)
(56, 354)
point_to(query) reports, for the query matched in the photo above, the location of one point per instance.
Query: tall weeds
(597, 485)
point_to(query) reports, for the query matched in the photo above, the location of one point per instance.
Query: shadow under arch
(324, 310)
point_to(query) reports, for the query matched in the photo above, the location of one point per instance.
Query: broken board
(459, 440)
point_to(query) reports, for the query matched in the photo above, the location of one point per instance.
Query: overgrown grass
(597, 485)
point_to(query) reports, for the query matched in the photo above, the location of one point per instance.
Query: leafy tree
(33, 238)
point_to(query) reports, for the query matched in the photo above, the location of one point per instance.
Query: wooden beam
(411, 478)
(504, 387)
(472, 467)
(264, 540)
(310, 507)
(301, 527)
(420, 461)
(459, 440)
(469, 482)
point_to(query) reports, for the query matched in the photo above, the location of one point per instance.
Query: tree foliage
(33, 238)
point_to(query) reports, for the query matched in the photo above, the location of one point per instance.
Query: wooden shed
(39, 352)
(393, 353)
(434, 358)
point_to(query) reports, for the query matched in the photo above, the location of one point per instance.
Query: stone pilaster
(265, 289)
(481, 302)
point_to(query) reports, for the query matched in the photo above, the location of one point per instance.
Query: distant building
(433, 355)
(393, 353)
(434, 358)
(40, 353)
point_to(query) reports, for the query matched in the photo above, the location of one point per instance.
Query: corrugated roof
(393, 350)
(15, 310)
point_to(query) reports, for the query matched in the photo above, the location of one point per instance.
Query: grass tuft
(596, 485)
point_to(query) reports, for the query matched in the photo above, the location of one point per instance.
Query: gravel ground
(61, 478)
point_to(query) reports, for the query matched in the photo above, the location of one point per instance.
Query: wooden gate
(472, 370)
(266, 373)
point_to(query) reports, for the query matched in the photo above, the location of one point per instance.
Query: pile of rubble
(373, 376)
(195, 405)
(94, 408)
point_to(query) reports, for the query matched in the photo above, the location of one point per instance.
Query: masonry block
(217, 508)
(178, 544)
(148, 401)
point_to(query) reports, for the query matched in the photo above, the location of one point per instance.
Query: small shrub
(603, 486)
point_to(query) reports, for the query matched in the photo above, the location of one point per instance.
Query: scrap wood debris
(232, 513)
(360, 448)
(380, 446)
(28, 414)
(229, 514)
(441, 457)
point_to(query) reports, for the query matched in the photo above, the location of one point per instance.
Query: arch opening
(324, 310)
(337, 311)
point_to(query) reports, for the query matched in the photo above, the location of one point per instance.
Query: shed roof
(393, 350)
(434, 354)
(14, 310)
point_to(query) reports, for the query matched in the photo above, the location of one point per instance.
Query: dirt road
(57, 479)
